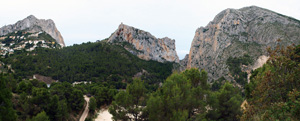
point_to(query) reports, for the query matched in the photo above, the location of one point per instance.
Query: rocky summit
(144, 45)
(236, 32)
(33, 25)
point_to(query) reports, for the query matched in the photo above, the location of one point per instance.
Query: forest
(272, 94)
(88, 62)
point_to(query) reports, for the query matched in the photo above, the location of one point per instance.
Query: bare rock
(32, 24)
(235, 32)
(145, 45)
(184, 62)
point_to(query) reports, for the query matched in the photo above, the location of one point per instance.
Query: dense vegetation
(31, 97)
(88, 62)
(234, 65)
(32, 100)
(183, 96)
(22, 36)
(273, 93)
(7, 113)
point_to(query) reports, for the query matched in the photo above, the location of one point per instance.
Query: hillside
(31, 24)
(231, 45)
(88, 62)
(23, 40)
(144, 45)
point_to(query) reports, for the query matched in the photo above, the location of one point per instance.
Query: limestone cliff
(183, 63)
(33, 25)
(145, 45)
(235, 32)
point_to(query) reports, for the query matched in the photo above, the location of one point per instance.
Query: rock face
(184, 62)
(235, 32)
(145, 45)
(32, 25)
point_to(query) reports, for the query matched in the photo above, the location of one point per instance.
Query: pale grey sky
(90, 20)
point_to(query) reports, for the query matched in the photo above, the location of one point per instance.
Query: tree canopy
(273, 93)
(88, 62)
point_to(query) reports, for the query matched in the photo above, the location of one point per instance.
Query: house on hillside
(47, 80)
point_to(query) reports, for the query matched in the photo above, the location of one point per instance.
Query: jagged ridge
(145, 45)
(33, 25)
(235, 32)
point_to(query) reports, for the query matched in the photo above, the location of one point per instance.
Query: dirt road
(86, 110)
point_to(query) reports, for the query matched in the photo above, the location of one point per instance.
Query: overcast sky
(90, 20)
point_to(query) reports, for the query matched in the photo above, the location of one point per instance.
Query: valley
(248, 55)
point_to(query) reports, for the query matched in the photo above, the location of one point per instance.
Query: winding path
(86, 110)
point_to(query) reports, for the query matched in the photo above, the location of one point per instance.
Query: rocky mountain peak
(33, 25)
(145, 45)
(235, 32)
(31, 18)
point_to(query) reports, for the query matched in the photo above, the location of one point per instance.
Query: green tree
(128, 105)
(179, 98)
(197, 78)
(103, 95)
(230, 101)
(7, 113)
(76, 100)
(41, 97)
(89, 61)
(62, 111)
(42, 116)
(24, 101)
(225, 103)
(53, 107)
(92, 105)
(193, 75)
(273, 92)
(22, 87)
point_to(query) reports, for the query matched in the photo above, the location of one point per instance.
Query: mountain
(236, 40)
(144, 45)
(33, 25)
(96, 62)
(183, 62)
(23, 40)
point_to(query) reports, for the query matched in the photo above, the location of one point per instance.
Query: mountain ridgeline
(235, 33)
(230, 47)
(88, 62)
(33, 25)
(145, 45)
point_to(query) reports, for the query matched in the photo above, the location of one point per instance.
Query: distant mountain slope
(145, 45)
(23, 40)
(88, 62)
(242, 33)
(33, 25)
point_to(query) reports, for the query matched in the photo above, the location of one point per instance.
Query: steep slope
(97, 62)
(33, 25)
(19, 40)
(145, 45)
(236, 32)
(183, 63)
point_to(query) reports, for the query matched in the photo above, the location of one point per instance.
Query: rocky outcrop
(235, 32)
(32, 24)
(184, 62)
(145, 45)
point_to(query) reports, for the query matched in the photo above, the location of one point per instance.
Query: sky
(89, 20)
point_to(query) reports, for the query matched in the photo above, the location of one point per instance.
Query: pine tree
(42, 116)
(7, 113)
(129, 105)
(92, 105)
(273, 92)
